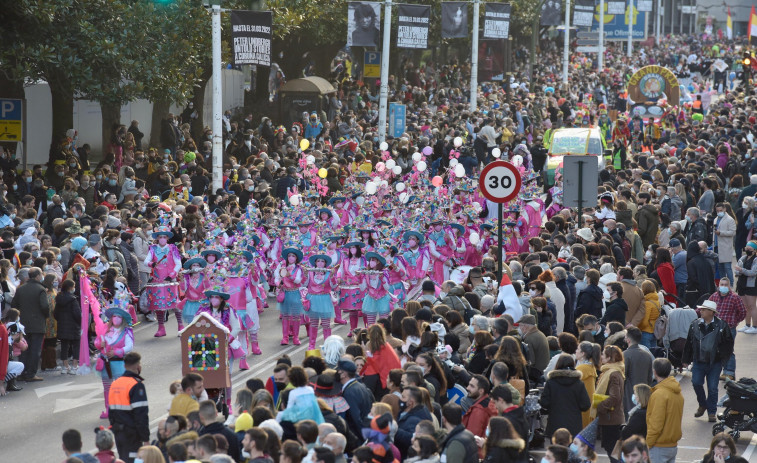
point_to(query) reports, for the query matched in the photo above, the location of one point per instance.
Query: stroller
(740, 412)
(532, 410)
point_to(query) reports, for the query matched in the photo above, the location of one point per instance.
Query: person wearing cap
(165, 261)
(92, 254)
(113, 345)
(709, 346)
(536, 340)
(355, 393)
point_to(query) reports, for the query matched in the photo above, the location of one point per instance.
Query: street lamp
(217, 97)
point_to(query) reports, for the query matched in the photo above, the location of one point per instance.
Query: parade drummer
(163, 291)
(117, 341)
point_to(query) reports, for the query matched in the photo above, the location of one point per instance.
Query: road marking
(62, 405)
(66, 387)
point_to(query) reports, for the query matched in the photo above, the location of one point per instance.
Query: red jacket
(379, 363)
(666, 274)
(477, 418)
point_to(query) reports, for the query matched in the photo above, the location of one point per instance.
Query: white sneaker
(751, 330)
(743, 328)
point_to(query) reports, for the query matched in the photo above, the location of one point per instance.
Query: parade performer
(344, 214)
(242, 303)
(416, 259)
(193, 284)
(253, 309)
(555, 197)
(163, 291)
(397, 273)
(441, 247)
(321, 282)
(348, 279)
(336, 256)
(378, 293)
(117, 341)
(458, 239)
(218, 308)
(288, 277)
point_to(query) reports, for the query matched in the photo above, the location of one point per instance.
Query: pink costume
(320, 285)
(417, 262)
(345, 216)
(397, 273)
(350, 294)
(112, 346)
(166, 263)
(244, 305)
(441, 247)
(291, 306)
(337, 258)
(472, 255)
(533, 210)
(377, 298)
(193, 285)
(557, 199)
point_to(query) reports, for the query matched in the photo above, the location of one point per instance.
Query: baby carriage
(740, 412)
(532, 409)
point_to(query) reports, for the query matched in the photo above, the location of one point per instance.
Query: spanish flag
(752, 24)
(729, 26)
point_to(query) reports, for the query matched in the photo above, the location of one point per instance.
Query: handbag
(520, 385)
(598, 399)
(20, 346)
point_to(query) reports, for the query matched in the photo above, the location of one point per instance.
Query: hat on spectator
(586, 234)
(588, 435)
(527, 319)
(94, 239)
(346, 365)
(675, 243)
(709, 305)
(243, 423)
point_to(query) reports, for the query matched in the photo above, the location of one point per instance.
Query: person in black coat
(590, 298)
(616, 309)
(68, 315)
(637, 416)
(359, 398)
(701, 277)
(564, 397)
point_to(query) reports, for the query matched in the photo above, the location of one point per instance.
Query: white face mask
(532, 292)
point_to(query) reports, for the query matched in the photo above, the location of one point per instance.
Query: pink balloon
(380, 167)
(437, 181)
(427, 151)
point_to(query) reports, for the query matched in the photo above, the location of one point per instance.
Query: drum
(162, 296)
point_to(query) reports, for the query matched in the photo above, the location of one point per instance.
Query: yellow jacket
(183, 404)
(664, 414)
(589, 379)
(651, 312)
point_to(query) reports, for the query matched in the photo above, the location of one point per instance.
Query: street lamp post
(217, 99)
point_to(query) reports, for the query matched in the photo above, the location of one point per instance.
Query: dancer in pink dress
(397, 274)
(337, 257)
(289, 276)
(441, 248)
(348, 280)
(194, 282)
(242, 303)
(416, 259)
(163, 290)
(321, 281)
(116, 342)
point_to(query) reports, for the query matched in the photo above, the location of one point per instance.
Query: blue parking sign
(396, 119)
(11, 120)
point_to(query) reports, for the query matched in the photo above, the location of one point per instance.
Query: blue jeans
(648, 339)
(730, 365)
(725, 270)
(710, 372)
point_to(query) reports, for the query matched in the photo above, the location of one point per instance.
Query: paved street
(35, 418)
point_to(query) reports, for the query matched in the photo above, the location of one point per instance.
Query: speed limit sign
(499, 182)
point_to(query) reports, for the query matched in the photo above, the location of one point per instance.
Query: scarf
(604, 377)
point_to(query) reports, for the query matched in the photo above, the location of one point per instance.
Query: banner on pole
(550, 13)
(363, 24)
(397, 118)
(583, 13)
(412, 25)
(497, 21)
(491, 60)
(251, 37)
(454, 20)
(616, 26)
(616, 8)
(644, 5)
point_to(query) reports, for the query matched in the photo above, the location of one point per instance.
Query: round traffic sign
(499, 182)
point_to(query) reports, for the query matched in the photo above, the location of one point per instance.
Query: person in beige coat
(724, 229)
(633, 296)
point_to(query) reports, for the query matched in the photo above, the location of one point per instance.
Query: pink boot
(285, 331)
(295, 324)
(161, 331)
(104, 415)
(243, 364)
(312, 334)
(339, 320)
(326, 333)
(254, 348)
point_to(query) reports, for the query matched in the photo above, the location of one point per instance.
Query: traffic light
(747, 65)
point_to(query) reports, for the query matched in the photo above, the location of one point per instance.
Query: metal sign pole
(217, 129)
(384, 90)
(24, 138)
(474, 58)
(499, 240)
(580, 193)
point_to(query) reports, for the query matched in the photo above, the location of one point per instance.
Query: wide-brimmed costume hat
(163, 230)
(112, 311)
(217, 290)
(195, 260)
(312, 259)
(418, 235)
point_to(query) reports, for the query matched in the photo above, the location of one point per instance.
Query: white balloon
(390, 164)
(474, 238)
(459, 171)
(458, 142)
(400, 187)
(377, 179)
(404, 197)
(370, 188)
(384, 146)
(396, 170)
(452, 163)
(294, 200)
(310, 160)
(417, 156)
(496, 152)
(421, 166)
(360, 200)
(517, 160)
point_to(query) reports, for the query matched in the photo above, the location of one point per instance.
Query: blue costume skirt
(292, 304)
(320, 306)
(189, 311)
(378, 307)
(116, 369)
(244, 319)
(398, 289)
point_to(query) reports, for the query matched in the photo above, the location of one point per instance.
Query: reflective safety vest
(118, 397)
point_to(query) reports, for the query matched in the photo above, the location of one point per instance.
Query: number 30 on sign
(499, 182)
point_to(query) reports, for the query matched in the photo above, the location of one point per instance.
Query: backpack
(626, 246)
(661, 325)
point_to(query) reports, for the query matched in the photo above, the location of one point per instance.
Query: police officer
(128, 412)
